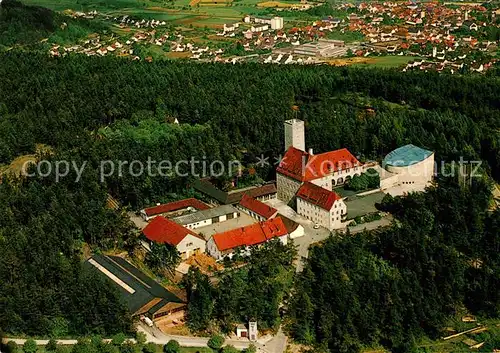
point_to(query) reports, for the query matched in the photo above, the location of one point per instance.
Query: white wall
(331, 219)
(190, 244)
(208, 221)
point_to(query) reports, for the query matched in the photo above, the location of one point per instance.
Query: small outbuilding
(241, 331)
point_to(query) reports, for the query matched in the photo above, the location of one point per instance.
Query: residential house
(165, 231)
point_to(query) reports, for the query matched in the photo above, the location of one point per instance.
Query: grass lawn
(196, 350)
(387, 61)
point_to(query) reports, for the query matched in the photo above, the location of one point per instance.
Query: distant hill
(26, 25)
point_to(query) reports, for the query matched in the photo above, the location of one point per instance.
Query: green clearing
(387, 61)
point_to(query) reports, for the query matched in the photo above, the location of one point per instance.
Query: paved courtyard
(220, 227)
(361, 205)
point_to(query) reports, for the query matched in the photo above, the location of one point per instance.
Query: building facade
(242, 239)
(321, 206)
(164, 231)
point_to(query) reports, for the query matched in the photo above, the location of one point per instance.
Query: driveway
(311, 235)
(276, 345)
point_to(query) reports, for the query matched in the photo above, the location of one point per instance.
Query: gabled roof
(232, 197)
(205, 214)
(257, 207)
(162, 230)
(174, 206)
(317, 195)
(303, 166)
(254, 234)
(137, 289)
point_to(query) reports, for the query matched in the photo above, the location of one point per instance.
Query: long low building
(224, 244)
(206, 217)
(175, 208)
(141, 293)
(217, 196)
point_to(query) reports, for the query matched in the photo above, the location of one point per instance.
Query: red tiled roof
(317, 195)
(254, 234)
(257, 206)
(162, 230)
(174, 206)
(302, 166)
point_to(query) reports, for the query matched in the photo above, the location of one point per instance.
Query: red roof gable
(162, 230)
(254, 234)
(302, 166)
(317, 195)
(174, 206)
(258, 207)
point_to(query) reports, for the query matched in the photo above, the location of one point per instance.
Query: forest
(393, 286)
(94, 108)
(243, 293)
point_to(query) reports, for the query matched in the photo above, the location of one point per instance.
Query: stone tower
(294, 134)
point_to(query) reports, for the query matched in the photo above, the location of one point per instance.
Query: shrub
(51, 346)
(149, 348)
(251, 349)
(30, 346)
(215, 342)
(118, 339)
(12, 347)
(140, 338)
(172, 347)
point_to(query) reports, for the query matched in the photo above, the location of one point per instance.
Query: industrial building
(322, 48)
(142, 295)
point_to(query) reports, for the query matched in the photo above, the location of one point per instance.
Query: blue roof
(406, 155)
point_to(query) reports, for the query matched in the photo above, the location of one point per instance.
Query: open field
(275, 4)
(382, 61)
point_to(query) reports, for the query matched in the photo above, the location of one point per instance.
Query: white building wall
(191, 244)
(420, 173)
(208, 221)
(218, 255)
(297, 233)
(277, 23)
(331, 219)
(212, 249)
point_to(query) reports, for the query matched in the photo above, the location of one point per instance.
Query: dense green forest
(114, 109)
(390, 287)
(252, 292)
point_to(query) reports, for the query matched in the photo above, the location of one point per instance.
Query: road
(275, 344)
(270, 344)
(311, 235)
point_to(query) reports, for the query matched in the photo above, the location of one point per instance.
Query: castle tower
(294, 134)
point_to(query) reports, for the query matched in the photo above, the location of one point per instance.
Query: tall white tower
(294, 134)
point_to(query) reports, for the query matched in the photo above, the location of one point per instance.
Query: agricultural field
(219, 11)
(381, 61)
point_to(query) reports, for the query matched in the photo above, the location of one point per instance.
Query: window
(189, 244)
